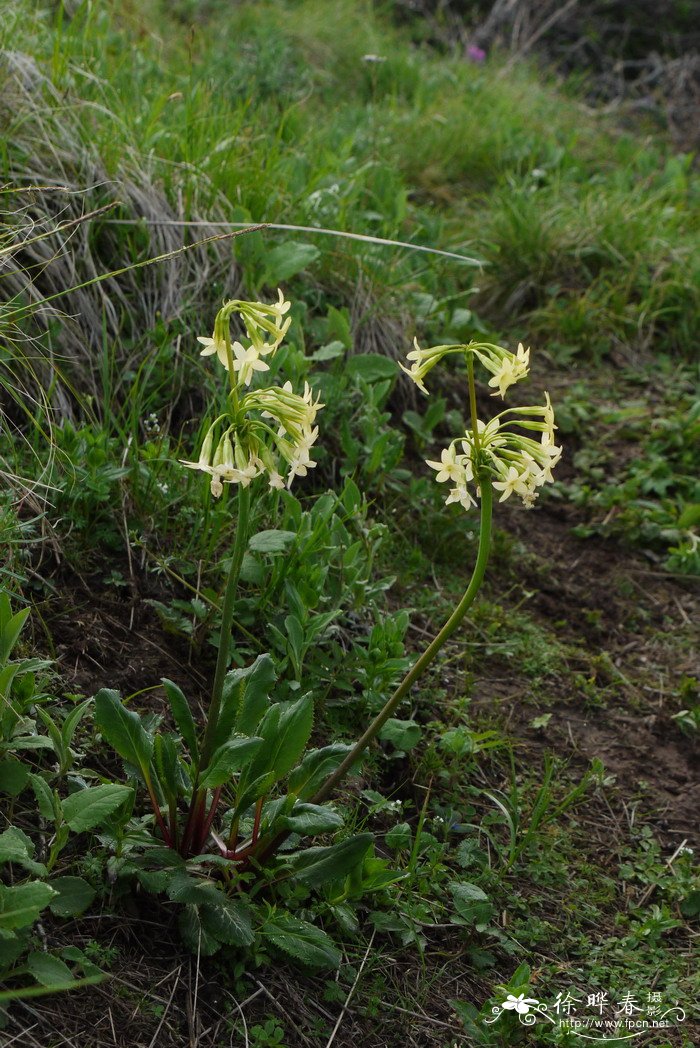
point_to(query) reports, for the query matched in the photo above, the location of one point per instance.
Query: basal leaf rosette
(514, 461)
(268, 431)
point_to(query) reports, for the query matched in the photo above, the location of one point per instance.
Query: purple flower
(475, 54)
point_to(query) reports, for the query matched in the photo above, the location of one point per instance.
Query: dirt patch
(104, 639)
(628, 633)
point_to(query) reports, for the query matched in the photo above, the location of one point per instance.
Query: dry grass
(68, 268)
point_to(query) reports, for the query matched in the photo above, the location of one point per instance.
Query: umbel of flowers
(513, 461)
(268, 430)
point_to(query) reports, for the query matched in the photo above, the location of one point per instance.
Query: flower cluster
(512, 460)
(505, 367)
(242, 444)
(265, 329)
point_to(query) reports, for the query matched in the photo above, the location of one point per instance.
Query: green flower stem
(195, 817)
(428, 655)
(472, 403)
(222, 661)
(267, 848)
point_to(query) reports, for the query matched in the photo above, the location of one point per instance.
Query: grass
(587, 235)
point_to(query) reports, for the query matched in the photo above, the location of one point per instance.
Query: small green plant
(651, 498)
(523, 829)
(27, 888)
(688, 720)
(269, 1034)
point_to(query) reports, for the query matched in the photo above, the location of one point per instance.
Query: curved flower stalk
(251, 744)
(241, 444)
(488, 456)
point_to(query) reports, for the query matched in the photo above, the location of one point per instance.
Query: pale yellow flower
(448, 468)
(513, 481)
(462, 495)
(214, 345)
(247, 361)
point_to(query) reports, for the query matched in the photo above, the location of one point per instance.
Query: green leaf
(465, 893)
(182, 887)
(5, 609)
(690, 907)
(338, 326)
(77, 956)
(542, 721)
(49, 970)
(472, 904)
(250, 792)
(228, 921)
(74, 896)
(44, 796)
(195, 937)
(402, 734)
(123, 729)
(54, 734)
(351, 497)
(154, 881)
(14, 775)
(273, 541)
(230, 757)
(274, 809)
(10, 631)
(246, 698)
(166, 765)
(288, 259)
(27, 742)
(315, 768)
(371, 367)
(16, 847)
(90, 807)
(295, 640)
(399, 836)
(21, 904)
(316, 866)
(301, 940)
(309, 819)
(376, 875)
(72, 720)
(10, 950)
(182, 715)
(331, 351)
(690, 516)
(23, 992)
(285, 730)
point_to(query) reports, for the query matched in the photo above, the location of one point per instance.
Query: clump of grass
(63, 265)
(301, 126)
(595, 266)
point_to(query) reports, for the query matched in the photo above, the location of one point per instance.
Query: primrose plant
(232, 795)
(262, 432)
